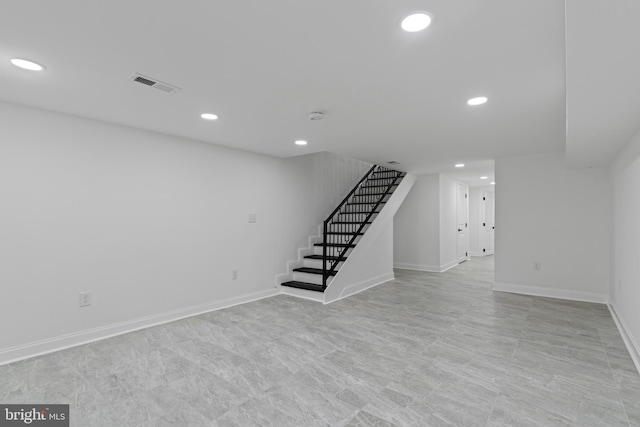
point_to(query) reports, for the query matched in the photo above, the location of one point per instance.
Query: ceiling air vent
(154, 83)
(393, 162)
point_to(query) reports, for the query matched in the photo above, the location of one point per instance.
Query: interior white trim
(450, 265)
(427, 268)
(551, 293)
(363, 286)
(629, 341)
(417, 267)
(303, 293)
(50, 345)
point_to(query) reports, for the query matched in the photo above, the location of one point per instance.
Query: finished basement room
(295, 213)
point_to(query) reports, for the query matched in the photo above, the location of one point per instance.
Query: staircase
(343, 229)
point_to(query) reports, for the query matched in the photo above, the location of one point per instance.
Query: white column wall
(558, 216)
(416, 237)
(625, 278)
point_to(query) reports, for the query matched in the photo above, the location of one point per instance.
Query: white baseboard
(363, 286)
(417, 267)
(481, 253)
(50, 345)
(427, 268)
(629, 341)
(449, 266)
(551, 293)
(303, 293)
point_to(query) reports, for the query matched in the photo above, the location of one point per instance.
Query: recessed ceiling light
(477, 101)
(484, 177)
(301, 142)
(209, 116)
(460, 165)
(27, 65)
(493, 183)
(416, 22)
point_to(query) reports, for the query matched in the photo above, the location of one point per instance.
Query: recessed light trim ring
(417, 21)
(27, 64)
(479, 100)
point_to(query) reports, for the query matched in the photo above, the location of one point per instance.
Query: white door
(488, 221)
(463, 222)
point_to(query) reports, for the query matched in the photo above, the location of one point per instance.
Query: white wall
(625, 285)
(416, 238)
(425, 227)
(320, 181)
(558, 216)
(152, 225)
(363, 271)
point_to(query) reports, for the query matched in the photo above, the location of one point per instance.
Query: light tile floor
(423, 350)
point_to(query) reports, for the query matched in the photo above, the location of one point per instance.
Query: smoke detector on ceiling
(316, 115)
(154, 83)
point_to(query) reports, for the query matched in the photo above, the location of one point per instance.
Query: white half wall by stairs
(371, 261)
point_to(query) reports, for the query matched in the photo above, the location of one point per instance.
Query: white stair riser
(309, 278)
(317, 263)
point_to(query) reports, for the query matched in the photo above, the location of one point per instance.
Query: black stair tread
(344, 233)
(382, 179)
(310, 270)
(329, 258)
(338, 245)
(365, 203)
(304, 285)
(351, 222)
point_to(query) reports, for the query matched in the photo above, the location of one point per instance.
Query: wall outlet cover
(85, 299)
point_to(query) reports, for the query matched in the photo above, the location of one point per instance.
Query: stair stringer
(299, 261)
(354, 276)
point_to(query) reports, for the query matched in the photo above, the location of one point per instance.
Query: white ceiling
(603, 79)
(262, 66)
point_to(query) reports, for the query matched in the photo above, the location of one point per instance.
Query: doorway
(462, 207)
(488, 222)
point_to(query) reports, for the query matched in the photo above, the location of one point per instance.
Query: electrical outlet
(234, 274)
(85, 299)
(252, 217)
(537, 266)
